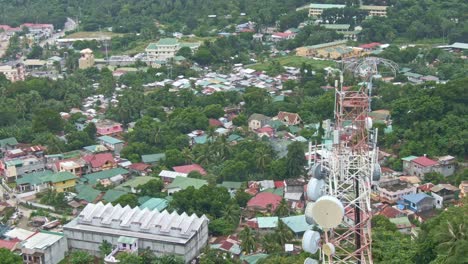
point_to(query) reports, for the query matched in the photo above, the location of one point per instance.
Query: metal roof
(105, 174)
(171, 174)
(150, 158)
(296, 223)
(110, 140)
(42, 240)
(267, 222)
(155, 203)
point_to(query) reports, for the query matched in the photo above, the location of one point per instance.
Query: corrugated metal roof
(150, 158)
(296, 223)
(105, 174)
(267, 222)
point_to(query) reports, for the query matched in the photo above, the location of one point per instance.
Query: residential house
(113, 144)
(61, 181)
(108, 128)
(155, 203)
(44, 247)
(167, 48)
(116, 175)
(169, 176)
(163, 233)
(7, 144)
(446, 166)
(186, 169)
(86, 194)
(264, 202)
(13, 168)
(418, 202)
(403, 224)
(182, 183)
(231, 186)
(86, 59)
(297, 224)
(99, 162)
(267, 223)
(391, 212)
(421, 165)
(289, 119)
(140, 168)
(280, 36)
(76, 166)
(13, 71)
(444, 194)
(132, 184)
(392, 190)
(33, 182)
(257, 121)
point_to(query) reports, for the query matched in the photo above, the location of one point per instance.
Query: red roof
(279, 184)
(424, 161)
(9, 244)
(282, 34)
(32, 25)
(426, 187)
(215, 122)
(139, 166)
(99, 160)
(263, 199)
(390, 212)
(290, 118)
(189, 168)
(252, 191)
(370, 45)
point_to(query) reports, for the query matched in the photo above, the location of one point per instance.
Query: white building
(163, 232)
(167, 48)
(44, 248)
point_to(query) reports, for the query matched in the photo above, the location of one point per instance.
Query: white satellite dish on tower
(328, 212)
(308, 213)
(310, 261)
(315, 189)
(369, 123)
(310, 241)
(328, 249)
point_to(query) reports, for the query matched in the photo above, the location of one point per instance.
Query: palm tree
(270, 243)
(247, 237)
(232, 212)
(451, 240)
(282, 209)
(188, 156)
(262, 158)
(204, 156)
(283, 233)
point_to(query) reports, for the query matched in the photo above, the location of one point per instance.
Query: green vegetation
(8, 257)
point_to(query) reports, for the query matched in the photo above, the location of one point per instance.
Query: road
(70, 25)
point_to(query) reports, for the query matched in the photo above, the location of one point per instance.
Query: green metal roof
(277, 191)
(105, 174)
(234, 137)
(401, 222)
(328, 44)
(33, 178)
(155, 203)
(110, 140)
(296, 223)
(126, 240)
(112, 195)
(167, 41)
(253, 259)
(139, 180)
(86, 192)
(267, 222)
(59, 177)
(409, 158)
(231, 185)
(294, 129)
(143, 199)
(11, 141)
(15, 162)
(184, 183)
(151, 158)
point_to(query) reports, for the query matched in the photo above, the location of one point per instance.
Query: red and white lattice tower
(350, 168)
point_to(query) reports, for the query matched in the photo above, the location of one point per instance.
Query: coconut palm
(248, 240)
(451, 241)
(188, 156)
(232, 212)
(282, 209)
(270, 243)
(262, 158)
(283, 233)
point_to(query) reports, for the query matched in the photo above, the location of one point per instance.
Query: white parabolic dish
(310, 261)
(328, 212)
(310, 241)
(308, 213)
(315, 189)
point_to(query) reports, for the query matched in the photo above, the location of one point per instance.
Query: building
(13, 72)
(169, 176)
(403, 224)
(297, 224)
(61, 182)
(163, 233)
(189, 168)
(7, 144)
(99, 162)
(320, 49)
(394, 189)
(167, 48)
(153, 158)
(264, 202)
(86, 59)
(257, 121)
(380, 11)
(316, 10)
(289, 119)
(419, 202)
(344, 29)
(113, 144)
(181, 183)
(33, 182)
(39, 29)
(419, 166)
(75, 166)
(13, 168)
(444, 194)
(108, 127)
(44, 247)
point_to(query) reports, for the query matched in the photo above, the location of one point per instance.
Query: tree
(295, 160)
(263, 158)
(47, 120)
(283, 233)
(80, 257)
(242, 197)
(248, 240)
(105, 248)
(282, 209)
(232, 213)
(214, 111)
(129, 258)
(270, 243)
(36, 52)
(127, 199)
(173, 158)
(152, 188)
(8, 257)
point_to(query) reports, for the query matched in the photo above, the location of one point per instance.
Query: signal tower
(340, 186)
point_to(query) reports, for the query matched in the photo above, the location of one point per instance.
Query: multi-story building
(163, 233)
(44, 247)
(444, 193)
(393, 190)
(167, 48)
(86, 60)
(13, 72)
(316, 10)
(419, 166)
(374, 10)
(13, 168)
(107, 127)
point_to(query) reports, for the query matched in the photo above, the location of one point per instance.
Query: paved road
(70, 25)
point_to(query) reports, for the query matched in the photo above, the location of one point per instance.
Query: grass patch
(423, 42)
(293, 61)
(93, 34)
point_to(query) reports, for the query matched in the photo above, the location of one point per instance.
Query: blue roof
(296, 223)
(110, 140)
(415, 197)
(155, 203)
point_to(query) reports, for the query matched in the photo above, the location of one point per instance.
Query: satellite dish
(317, 172)
(328, 249)
(308, 213)
(315, 189)
(377, 173)
(328, 212)
(369, 123)
(310, 261)
(310, 241)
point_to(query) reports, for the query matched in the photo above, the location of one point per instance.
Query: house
(113, 144)
(280, 36)
(7, 144)
(132, 184)
(403, 224)
(169, 176)
(446, 166)
(74, 165)
(140, 168)
(418, 202)
(297, 224)
(444, 194)
(87, 194)
(257, 121)
(231, 186)
(167, 48)
(155, 203)
(33, 182)
(118, 173)
(86, 59)
(264, 202)
(107, 127)
(44, 247)
(163, 233)
(112, 195)
(61, 181)
(182, 183)
(153, 159)
(391, 212)
(268, 222)
(13, 168)
(266, 131)
(189, 168)
(99, 162)
(419, 166)
(289, 119)
(392, 190)
(13, 71)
